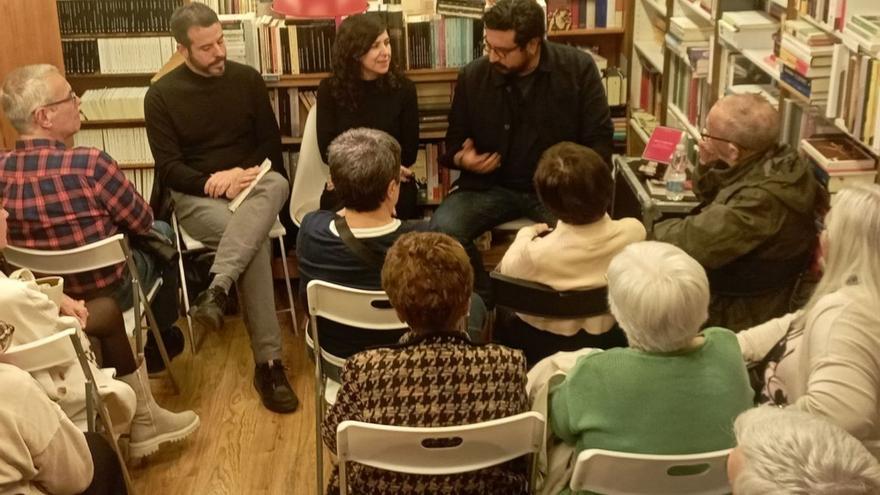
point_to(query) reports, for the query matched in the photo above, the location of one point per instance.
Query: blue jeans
(466, 214)
(165, 305)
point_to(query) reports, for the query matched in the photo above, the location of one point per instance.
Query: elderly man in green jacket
(756, 230)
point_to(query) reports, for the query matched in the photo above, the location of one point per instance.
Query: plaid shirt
(61, 198)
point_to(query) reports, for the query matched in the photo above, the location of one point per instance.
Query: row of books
(834, 14)
(231, 6)
(286, 104)
(435, 41)
(114, 16)
(854, 95)
(564, 15)
(863, 31)
(113, 103)
(142, 179)
(434, 181)
(127, 145)
(117, 55)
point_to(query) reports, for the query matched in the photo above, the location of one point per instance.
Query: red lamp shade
(319, 8)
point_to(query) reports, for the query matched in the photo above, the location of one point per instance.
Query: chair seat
(515, 224)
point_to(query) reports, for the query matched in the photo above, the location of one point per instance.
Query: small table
(633, 199)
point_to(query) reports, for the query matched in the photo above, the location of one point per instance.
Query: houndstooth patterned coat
(437, 380)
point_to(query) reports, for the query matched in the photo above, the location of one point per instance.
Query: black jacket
(566, 103)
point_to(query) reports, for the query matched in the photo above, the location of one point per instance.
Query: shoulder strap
(367, 255)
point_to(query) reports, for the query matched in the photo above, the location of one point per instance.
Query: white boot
(152, 426)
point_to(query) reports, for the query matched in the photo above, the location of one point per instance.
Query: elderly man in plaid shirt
(61, 198)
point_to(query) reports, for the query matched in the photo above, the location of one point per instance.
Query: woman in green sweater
(674, 390)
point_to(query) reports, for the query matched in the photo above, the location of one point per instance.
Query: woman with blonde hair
(824, 358)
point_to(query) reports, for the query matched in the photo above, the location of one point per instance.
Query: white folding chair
(187, 244)
(437, 451)
(311, 172)
(363, 309)
(60, 349)
(106, 252)
(620, 473)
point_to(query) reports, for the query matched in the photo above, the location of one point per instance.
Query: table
(632, 198)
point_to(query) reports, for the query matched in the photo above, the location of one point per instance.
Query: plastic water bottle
(676, 174)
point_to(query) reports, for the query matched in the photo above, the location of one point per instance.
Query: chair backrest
(366, 309)
(532, 298)
(42, 354)
(106, 252)
(621, 473)
(433, 451)
(311, 172)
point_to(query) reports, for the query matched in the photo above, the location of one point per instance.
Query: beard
(216, 68)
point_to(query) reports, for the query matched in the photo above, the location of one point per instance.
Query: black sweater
(200, 125)
(395, 111)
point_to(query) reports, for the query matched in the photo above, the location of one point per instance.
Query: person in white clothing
(823, 359)
(573, 182)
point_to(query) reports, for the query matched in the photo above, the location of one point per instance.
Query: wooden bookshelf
(110, 123)
(573, 33)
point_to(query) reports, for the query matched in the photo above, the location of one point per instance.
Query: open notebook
(237, 200)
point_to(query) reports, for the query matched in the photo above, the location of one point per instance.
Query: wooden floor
(240, 447)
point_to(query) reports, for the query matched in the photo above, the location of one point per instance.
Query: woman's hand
(77, 309)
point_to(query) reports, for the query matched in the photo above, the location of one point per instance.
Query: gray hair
(24, 90)
(189, 15)
(658, 294)
(749, 120)
(792, 452)
(362, 164)
(853, 234)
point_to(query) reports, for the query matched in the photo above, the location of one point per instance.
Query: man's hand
(245, 179)
(77, 309)
(406, 174)
(219, 182)
(480, 163)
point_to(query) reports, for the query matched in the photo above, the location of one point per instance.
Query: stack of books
(748, 29)
(864, 30)
(805, 59)
(689, 91)
(690, 42)
(839, 160)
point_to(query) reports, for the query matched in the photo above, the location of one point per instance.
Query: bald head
(747, 120)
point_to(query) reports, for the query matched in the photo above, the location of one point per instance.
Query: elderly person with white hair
(755, 232)
(674, 390)
(824, 359)
(785, 451)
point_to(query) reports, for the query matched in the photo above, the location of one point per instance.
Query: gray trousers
(243, 252)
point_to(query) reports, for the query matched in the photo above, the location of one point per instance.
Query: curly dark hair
(524, 17)
(355, 37)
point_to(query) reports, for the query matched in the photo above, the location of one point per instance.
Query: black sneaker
(174, 344)
(274, 389)
(208, 309)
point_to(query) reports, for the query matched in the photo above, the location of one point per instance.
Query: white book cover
(237, 200)
(839, 59)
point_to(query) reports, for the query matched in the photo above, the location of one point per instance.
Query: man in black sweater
(210, 126)
(525, 95)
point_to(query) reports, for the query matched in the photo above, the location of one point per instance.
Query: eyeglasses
(70, 97)
(499, 52)
(704, 135)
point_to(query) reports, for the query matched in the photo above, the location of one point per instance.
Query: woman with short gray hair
(786, 451)
(674, 390)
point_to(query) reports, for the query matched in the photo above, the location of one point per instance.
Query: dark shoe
(274, 389)
(174, 343)
(208, 309)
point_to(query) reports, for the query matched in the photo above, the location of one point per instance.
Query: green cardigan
(675, 403)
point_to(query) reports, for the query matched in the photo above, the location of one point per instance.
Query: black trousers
(537, 344)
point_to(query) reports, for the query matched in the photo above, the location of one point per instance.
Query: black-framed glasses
(70, 97)
(704, 135)
(499, 52)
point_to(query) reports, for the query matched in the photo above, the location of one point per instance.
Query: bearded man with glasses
(525, 95)
(755, 232)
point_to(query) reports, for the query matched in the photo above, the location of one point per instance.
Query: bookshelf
(746, 55)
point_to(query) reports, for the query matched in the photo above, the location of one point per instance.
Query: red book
(662, 144)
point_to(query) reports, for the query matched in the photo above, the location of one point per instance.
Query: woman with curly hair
(367, 89)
